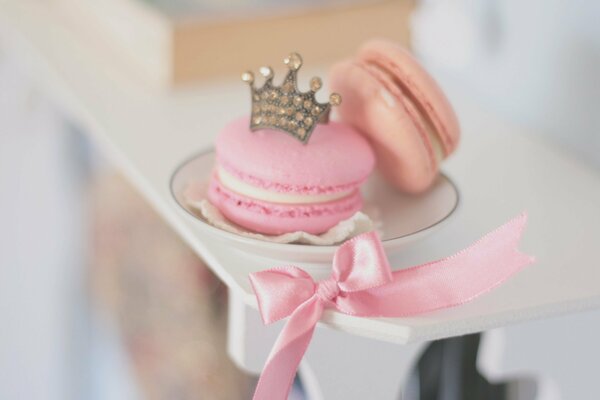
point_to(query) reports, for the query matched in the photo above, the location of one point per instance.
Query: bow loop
(362, 284)
(280, 291)
(360, 263)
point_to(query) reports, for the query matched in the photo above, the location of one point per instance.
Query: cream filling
(245, 189)
(434, 139)
(400, 93)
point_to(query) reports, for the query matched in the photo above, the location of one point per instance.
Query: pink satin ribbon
(362, 284)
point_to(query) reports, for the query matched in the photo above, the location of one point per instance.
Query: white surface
(499, 171)
(400, 219)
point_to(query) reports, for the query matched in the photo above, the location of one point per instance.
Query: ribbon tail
(278, 374)
(448, 282)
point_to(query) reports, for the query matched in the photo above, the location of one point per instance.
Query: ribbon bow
(362, 284)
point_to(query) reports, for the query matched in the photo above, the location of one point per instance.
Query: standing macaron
(394, 102)
(281, 171)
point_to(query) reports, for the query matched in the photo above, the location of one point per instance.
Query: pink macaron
(269, 182)
(397, 105)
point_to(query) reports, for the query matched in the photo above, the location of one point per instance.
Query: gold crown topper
(285, 107)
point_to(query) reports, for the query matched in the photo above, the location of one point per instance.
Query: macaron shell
(276, 219)
(335, 158)
(407, 70)
(404, 154)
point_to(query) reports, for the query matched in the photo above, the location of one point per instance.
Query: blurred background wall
(532, 62)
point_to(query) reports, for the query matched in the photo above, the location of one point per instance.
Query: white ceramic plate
(405, 218)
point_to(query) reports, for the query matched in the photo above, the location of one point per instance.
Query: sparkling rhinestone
(282, 121)
(257, 120)
(273, 95)
(297, 100)
(284, 99)
(301, 132)
(248, 77)
(308, 121)
(293, 61)
(281, 111)
(292, 123)
(307, 104)
(289, 111)
(299, 116)
(335, 99)
(316, 110)
(267, 72)
(316, 84)
(256, 97)
(288, 87)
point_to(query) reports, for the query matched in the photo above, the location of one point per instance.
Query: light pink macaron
(393, 101)
(269, 182)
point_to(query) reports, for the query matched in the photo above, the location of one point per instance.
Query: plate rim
(294, 246)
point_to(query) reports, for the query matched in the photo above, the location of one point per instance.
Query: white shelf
(500, 171)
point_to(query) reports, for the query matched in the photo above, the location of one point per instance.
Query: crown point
(285, 107)
(267, 72)
(335, 99)
(316, 84)
(248, 77)
(293, 61)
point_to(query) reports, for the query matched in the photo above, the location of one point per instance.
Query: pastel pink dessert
(393, 101)
(269, 182)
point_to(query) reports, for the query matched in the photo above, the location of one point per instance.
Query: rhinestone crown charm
(285, 107)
